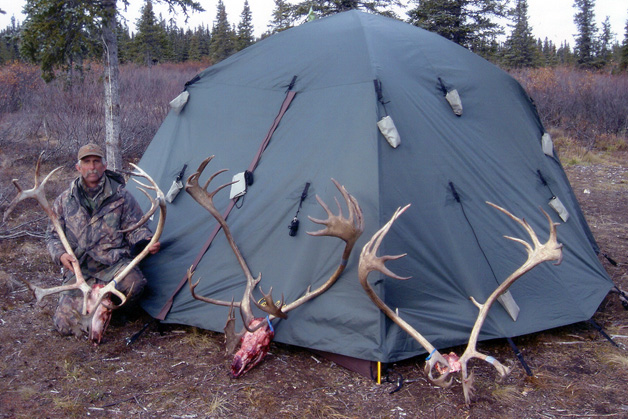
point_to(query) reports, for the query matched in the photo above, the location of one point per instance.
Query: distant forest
(157, 40)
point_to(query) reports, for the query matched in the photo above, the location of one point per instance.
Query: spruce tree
(565, 55)
(124, 43)
(585, 40)
(245, 35)
(151, 42)
(470, 23)
(223, 39)
(605, 44)
(9, 42)
(199, 44)
(178, 43)
(520, 47)
(550, 54)
(623, 60)
(59, 34)
(330, 7)
(281, 17)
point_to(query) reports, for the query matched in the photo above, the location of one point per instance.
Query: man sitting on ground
(92, 211)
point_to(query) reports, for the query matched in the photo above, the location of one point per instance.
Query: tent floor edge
(361, 366)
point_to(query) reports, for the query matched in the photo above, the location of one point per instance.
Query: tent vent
(454, 101)
(389, 131)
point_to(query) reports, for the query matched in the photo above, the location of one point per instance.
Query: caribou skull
(255, 337)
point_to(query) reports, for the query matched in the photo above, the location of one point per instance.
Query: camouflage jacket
(94, 234)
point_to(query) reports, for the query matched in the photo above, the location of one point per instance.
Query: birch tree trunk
(112, 87)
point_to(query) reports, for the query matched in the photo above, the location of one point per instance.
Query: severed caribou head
(255, 337)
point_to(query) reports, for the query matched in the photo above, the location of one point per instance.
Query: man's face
(91, 168)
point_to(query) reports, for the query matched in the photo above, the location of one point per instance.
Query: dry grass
(509, 394)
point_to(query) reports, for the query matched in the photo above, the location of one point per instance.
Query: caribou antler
(347, 229)
(159, 202)
(257, 333)
(206, 200)
(369, 261)
(537, 253)
(93, 295)
(38, 193)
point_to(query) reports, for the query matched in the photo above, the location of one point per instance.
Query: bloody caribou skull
(100, 314)
(255, 337)
(253, 347)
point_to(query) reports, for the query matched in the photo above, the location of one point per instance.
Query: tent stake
(520, 357)
(133, 338)
(599, 329)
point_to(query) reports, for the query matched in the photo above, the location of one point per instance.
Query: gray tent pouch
(389, 131)
(454, 101)
(558, 206)
(176, 187)
(547, 144)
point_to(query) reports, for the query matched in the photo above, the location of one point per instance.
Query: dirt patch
(181, 372)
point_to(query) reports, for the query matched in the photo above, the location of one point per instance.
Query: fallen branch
(16, 232)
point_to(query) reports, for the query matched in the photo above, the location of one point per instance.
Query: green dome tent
(337, 77)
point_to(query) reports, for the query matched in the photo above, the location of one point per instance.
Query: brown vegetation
(589, 107)
(62, 116)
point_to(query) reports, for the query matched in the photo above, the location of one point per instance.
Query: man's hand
(66, 260)
(154, 248)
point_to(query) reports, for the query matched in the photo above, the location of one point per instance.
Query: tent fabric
(455, 247)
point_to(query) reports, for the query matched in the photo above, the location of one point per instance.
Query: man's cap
(90, 149)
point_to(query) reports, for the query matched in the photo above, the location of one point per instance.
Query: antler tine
(37, 191)
(190, 273)
(153, 207)
(347, 229)
(369, 261)
(270, 307)
(537, 253)
(368, 258)
(155, 203)
(221, 187)
(232, 338)
(193, 179)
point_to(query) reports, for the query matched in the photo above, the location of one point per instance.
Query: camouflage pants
(67, 318)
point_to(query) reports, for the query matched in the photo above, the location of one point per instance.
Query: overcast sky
(549, 18)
